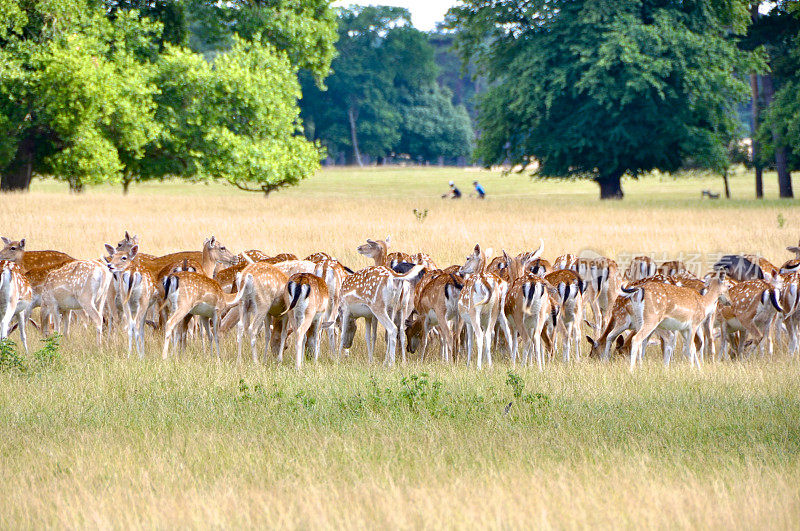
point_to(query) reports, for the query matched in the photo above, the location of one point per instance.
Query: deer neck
(380, 258)
(209, 263)
(713, 293)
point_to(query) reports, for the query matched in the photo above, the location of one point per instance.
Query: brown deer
(480, 306)
(77, 285)
(306, 300)
(136, 289)
(189, 293)
(754, 306)
(373, 293)
(435, 304)
(570, 288)
(14, 251)
(261, 287)
(528, 308)
(662, 305)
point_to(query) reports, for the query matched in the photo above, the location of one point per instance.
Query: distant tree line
(386, 96)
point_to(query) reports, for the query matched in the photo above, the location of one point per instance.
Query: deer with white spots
(481, 304)
(188, 293)
(306, 300)
(77, 285)
(261, 287)
(528, 307)
(378, 250)
(373, 293)
(669, 307)
(754, 307)
(16, 299)
(213, 258)
(435, 304)
(14, 251)
(570, 287)
(639, 268)
(334, 274)
(136, 289)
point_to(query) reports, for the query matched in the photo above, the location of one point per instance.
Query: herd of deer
(745, 301)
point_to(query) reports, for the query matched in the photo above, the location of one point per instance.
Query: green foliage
(383, 92)
(105, 92)
(234, 119)
(10, 359)
(601, 89)
(49, 356)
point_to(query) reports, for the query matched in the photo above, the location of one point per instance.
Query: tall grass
(94, 439)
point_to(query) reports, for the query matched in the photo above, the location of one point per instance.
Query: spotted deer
(14, 251)
(480, 306)
(333, 273)
(77, 285)
(16, 299)
(318, 257)
(662, 305)
(570, 288)
(213, 257)
(378, 250)
(435, 305)
(640, 268)
(754, 306)
(136, 289)
(373, 293)
(565, 261)
(189, 293)
(528, 307)
(306, 300)
(261, 286)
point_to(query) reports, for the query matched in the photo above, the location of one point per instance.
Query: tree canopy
(110, 91)
(602, 89)
(383, 97)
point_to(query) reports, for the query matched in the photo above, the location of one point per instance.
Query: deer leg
(391, 331)
(169, 328)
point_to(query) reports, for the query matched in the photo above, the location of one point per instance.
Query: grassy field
(93, 439)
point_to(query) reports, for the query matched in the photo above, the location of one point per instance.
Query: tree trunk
(610, 186)
(354, 136)
(781, 163)
(126, 182)
(17, 176)
(754, 118)
(727, 186)
(754, 143)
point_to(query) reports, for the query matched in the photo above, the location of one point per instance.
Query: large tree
(603, 89)
(777, 34)
(106, 91)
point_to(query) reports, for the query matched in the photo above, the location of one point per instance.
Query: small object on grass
(709, 194)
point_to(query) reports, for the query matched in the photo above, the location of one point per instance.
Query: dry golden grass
(99, 440)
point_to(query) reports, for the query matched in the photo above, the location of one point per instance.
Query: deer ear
(22, 243)
(127, 237)
(109, 250)
(388, 239)
(134, 250)
(7, 241)
(477, 249)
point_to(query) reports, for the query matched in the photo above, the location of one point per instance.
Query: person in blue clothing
(479, 189)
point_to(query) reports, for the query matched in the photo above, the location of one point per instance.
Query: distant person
(453, 193)
(479, 189)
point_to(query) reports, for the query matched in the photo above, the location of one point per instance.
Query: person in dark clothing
(454, 192)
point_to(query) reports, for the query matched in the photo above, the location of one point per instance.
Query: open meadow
(90, 438)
